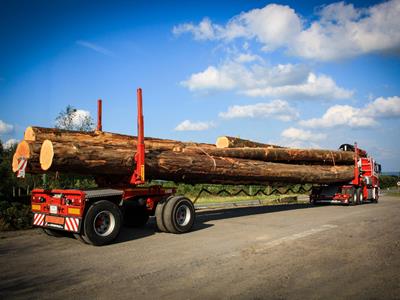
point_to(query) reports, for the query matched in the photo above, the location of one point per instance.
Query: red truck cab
(364, 187)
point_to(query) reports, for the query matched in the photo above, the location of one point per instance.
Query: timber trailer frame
(364, 187)
(96, 216)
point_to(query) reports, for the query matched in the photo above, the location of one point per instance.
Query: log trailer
(96, 216)
(364, 187)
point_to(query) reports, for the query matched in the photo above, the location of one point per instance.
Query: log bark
(195, 168)
(285, 155)
(234, 142)
(40, 134)
(108, 160)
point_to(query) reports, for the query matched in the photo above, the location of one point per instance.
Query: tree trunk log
(234, 142)
(285, 155)
(195, 168)
(40, 134)
(182, 167)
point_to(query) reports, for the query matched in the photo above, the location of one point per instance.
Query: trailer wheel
(353, 197)
(102, 223)
(359, 196)
(178, 214)
(159, 216)
(375, 195)
(82, 238)
(136, 216)
(52, 232)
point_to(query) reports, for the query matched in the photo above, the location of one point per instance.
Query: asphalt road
(278, 252)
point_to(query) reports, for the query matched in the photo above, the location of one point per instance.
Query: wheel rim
(183, 215)
(104, 223)
(361, 197)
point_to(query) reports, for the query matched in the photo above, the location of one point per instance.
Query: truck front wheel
(178, 214)
(102, 223)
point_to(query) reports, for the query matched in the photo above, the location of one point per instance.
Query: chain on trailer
(267, 191)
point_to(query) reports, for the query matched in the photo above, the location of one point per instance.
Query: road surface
(274, 252)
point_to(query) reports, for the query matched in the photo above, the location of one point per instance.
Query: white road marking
(262, 247)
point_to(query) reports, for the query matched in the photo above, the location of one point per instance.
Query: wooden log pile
(230, 161)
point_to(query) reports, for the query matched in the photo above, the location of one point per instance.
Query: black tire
(53, 232)
(376, 198)
(353, 197)
(178, 214)
(359, 196)
(159, 216)
(135, 216)
(82, 238)
(102, 223)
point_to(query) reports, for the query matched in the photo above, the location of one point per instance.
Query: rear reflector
(74, 211)
(55, 220)
(35, 206)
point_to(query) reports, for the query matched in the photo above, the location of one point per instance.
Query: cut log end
(23, 150)
(46, 155)
(29, 134)
(222, 142)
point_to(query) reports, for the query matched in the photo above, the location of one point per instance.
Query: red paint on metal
(99, 115)
(138, 174)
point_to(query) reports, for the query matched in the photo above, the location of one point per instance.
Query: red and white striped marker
(71, 224)
(22, 162)
(38, 219)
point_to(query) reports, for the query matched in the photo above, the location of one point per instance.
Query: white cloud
(79, 117)
(259, 80)
(10, 143)
(210, 79)
(5, 128)
(188, 125)
(340, 30)
(278, 109)
(320, 87)
(297, 134)
(95, 47)
(346, 115)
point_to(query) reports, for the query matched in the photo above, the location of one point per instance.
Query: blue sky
(296, 73)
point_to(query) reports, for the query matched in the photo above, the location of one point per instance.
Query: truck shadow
(237, 212)
(205, 216)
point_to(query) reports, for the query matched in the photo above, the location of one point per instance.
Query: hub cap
(104, 223)
(183, 215)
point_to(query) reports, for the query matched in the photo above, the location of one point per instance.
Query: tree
(74, 119)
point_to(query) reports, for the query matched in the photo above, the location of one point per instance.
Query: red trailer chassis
(364, 187)
(96, 216)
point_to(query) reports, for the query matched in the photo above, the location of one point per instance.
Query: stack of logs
(231, 161)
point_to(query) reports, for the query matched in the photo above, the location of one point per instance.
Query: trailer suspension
(260, 191)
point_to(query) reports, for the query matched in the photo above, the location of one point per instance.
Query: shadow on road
(202, 217)
(228, 213)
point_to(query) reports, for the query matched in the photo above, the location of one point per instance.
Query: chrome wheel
(183, 215)
(104, 223)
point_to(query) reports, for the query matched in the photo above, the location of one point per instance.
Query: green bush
(387, 181)
(14, 215)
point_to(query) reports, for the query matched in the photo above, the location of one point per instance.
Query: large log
(40, 134)
(234, 142)
(85, 158)
(195, 168)
(286, 155)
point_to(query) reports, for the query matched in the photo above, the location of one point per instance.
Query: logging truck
(95, 216)
(364, 187)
